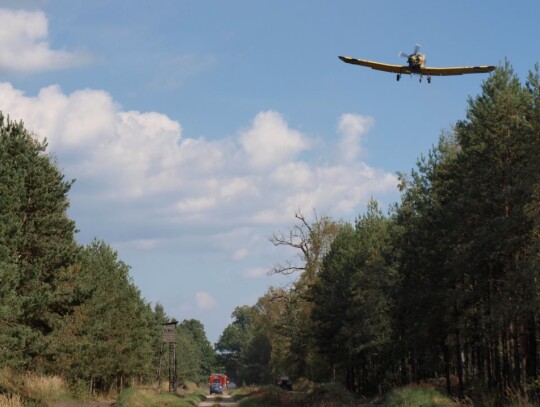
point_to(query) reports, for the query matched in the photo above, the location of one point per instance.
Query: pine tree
(496, 173)
(108, 338)
(36, 245)
(197, 358)
(352, 301)
(233, 343)
(467, 247)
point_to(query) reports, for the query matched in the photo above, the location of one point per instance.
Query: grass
(318, 395)
(20, 389)
(9, 400)
(414, 396)
(45, 389)
(32, 390)
(147, 397)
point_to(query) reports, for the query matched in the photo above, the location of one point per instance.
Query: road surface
(216, 400)
(87, 404)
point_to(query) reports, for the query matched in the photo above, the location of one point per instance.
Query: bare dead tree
(312, 239)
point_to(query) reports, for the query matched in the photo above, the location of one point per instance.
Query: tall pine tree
(36, 245)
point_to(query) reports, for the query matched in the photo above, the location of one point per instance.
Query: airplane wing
(377, 65)
(457, 70)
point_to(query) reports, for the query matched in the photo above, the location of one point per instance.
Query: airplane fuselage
(416, 61)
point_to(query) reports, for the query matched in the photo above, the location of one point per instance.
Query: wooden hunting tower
(168, 337)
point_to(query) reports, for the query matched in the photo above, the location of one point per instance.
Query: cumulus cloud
(270, 141)
(139, 172)
(352, 127)
(24, 46)
(204, 300)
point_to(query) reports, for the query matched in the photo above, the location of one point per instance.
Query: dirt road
(215, 400)
(88, 404)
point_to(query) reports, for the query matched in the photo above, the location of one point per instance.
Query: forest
(68, 309)
(445, 285)
(442, 285)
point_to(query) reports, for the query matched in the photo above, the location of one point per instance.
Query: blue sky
(195, 129)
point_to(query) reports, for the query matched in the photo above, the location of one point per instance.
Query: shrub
(9, 400)
(413, 396)
(44, 389)
(303, 384)
(32, 387)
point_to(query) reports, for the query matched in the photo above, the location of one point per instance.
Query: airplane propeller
(416, 49)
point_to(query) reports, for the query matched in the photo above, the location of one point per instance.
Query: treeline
(68, 309)
(445, 285)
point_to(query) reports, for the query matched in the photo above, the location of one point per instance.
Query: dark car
(285, 383)
(216, 388)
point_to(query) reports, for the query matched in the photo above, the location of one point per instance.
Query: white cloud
(69, 122)
(293, 175)
(137, 171)
(239, 187)
(352, 127)
(204, 300)
(270, 141)
(196, 204)
(24, 46)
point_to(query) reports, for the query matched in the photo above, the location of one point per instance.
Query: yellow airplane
(416, 65)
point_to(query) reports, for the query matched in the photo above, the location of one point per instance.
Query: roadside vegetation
(269, 396)
(414, 396)
(30, 389)
(335, 395)
(149, 397)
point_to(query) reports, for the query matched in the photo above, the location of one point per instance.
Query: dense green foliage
(107, 338)
(445, 285)
(68, 309)
(37, 246)
(196, 357)
(233, 344)
(351, 301)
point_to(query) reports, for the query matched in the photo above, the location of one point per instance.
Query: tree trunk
(506, 365)
(91, 387)
(459, 366)
(531, 348)
(489, 364)
(523, 342)
(446, 353)
(498, 365)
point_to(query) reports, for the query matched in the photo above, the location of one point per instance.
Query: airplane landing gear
(398, 77)
(429, 79)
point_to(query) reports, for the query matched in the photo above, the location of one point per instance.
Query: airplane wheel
(398, 77)
(428, 80)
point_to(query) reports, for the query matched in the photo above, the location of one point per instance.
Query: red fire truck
(219, 378)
